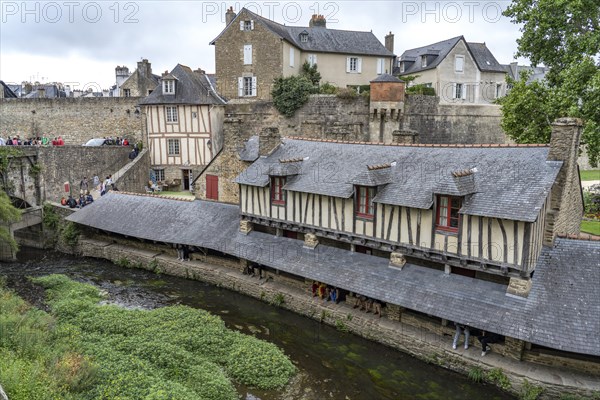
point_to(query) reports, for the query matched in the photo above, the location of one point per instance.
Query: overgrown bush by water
(107, 352)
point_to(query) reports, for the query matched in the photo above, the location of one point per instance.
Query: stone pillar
(405, 136)
(243, 264)
(245, 226)
(519, 287)
(394, 312)
(311, 241)
(397, 260)
(514, 348)
(447, 269)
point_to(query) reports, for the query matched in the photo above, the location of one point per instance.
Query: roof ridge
(152, 195)
(455, 145)
(579, 236)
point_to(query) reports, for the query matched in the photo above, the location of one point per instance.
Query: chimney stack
(389, 42)
(41, 92)
(269, 139)
(229, 16)
(317, 21)
(566, 204)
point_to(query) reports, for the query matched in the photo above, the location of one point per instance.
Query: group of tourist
(116, 141)
(485, 338)
(326, 292)
(183, 252)
(83, 200)
(33, 141)
(252, 269)
(367, 304)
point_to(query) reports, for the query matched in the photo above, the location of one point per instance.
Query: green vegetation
(564, 36)
(278, 300)
(310, 72)
(50, 218)
(476, 374)
(590, 175)
(592, 227)
(291, 93)
(70, 234)
(8, 214)
(529, 391)
(499, 378)
(84, 350)
(421, 88)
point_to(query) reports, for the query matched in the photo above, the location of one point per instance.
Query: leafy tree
(311, 73)
(564, 35)
(8, 214)
(291, 93)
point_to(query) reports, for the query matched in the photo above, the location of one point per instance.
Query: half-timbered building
(479, 211)
(184, 118)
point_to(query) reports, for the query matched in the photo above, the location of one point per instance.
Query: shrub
(347, 94)
(278, 300)
(123, 262)
(70, 234)
(328, 88)
(290, 94)
(499, 378)
(529, 391)
(50, 218)
(476, 374)
(421, 89)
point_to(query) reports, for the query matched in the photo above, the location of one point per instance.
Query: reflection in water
(333, 364)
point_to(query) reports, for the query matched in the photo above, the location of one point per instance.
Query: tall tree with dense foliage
(563, 35)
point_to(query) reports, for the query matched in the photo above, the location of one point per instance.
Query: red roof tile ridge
(440, 145)
(153, 195)
(579, 236)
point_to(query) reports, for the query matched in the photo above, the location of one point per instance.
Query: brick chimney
(389, 42)
(317, 21)
(269, 139)
(566, 203)
(144, 68)
(229, 16)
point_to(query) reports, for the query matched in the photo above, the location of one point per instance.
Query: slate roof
(437, 52)
(191, 88)
(51, 91)
(250, 150)
(561, 312)
(8, 93)
(387, 78)
(320, 39)
(510, 182)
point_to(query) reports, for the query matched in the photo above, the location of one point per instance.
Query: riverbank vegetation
(83, 349)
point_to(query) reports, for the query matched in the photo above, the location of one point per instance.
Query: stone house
(184, 120)
(461, 72)
(252, 51)
(138, 84)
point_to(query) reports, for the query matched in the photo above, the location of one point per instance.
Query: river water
(332, 364)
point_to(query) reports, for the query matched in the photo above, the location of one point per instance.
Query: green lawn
(590, 175)
(592, 227)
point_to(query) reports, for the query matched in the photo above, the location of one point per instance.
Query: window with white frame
(459, 63)
(498, 90)
(459, 91)
(171, 114)
(354, 65)
(173, 147)
(168, 86)
(127, 92)
(401, 66)
(423, 61)
(248, 54)
(159, 174)
(247, 86)
(380, 66)
(292, 54)
(312, 59)
(304, 37)
(247, 25)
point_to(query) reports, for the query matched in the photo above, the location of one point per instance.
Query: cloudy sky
(81, 42)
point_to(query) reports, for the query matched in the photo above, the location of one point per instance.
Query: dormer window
(304, 37)
(168, 86)
(423, 61)
(277, 194)
(364, 202)
(401, 66)
(447, 216)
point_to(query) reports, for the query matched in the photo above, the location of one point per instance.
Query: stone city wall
(75, 119)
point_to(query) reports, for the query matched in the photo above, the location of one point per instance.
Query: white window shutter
(454, 90)
(314, 59)
(359, 65)
(240, 87)
(291, 56)
(241, 25)
(248, 54)
(253, 86)
(464, 91)
(251, 24)
(347, 64)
